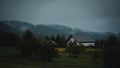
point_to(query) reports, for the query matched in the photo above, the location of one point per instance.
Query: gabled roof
(83, 38)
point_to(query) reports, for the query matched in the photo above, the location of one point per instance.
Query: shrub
(74, 50)
(47, 51)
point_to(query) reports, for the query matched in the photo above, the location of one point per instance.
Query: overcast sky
(93, 15)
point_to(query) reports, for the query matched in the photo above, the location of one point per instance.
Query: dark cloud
(94, 15)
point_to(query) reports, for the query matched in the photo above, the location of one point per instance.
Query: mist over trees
(19, 27)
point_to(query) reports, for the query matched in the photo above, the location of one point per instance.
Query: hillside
(46, 30)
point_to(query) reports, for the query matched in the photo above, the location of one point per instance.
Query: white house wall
(87, 44)
(70, 40)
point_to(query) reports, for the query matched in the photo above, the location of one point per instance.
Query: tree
(74, 50)
(9, 39)
(28, 44)
(97, 45)
(37, 49)
(61, 41)
(112, 53)
(47, 38)
(112, 41)
(28, 35)
(47, 51)
(53, 37)
(57, 38)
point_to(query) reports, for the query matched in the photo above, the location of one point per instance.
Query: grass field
(9, 60)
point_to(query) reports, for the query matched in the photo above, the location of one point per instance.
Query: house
(83, 39)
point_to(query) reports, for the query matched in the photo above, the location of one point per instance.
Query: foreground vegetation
(32, 52)
(9, 59)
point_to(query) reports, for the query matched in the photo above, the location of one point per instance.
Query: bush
(74, 50)
(47, 51)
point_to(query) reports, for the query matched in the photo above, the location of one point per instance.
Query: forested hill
(46, 30)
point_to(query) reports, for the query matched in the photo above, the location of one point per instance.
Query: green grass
(8, 51)
(83, 61)
(13, 65)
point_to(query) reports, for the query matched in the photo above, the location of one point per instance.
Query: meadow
(10, 59)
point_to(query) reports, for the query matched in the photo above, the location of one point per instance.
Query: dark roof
(83, 38)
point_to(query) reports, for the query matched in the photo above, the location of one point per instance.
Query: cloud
(94, 15)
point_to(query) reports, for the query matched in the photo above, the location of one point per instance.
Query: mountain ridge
(47, 30)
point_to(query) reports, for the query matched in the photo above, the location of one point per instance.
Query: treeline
(37, 49)
(12, 39)
(111, 56)
(110, 49)
(31, 47)
(9, 39)
(60, 40)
